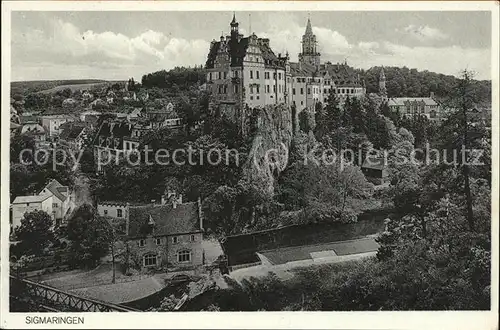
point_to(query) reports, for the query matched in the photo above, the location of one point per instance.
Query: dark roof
(71, 131)
(182, 219)
(28, 119)
(341, 74)
(374, 162)
(302, 70)
(114, 129)
(237, 50)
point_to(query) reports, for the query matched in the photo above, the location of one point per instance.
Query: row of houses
(119, 135)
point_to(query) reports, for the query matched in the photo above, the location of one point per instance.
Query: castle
(244, 71)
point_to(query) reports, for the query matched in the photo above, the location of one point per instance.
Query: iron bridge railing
(55, 296)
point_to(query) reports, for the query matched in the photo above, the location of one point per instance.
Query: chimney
(127, 218)
(200, 214)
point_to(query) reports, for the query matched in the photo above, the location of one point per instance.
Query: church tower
(381, 84)
(309, 53)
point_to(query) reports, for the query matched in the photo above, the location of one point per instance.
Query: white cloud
(66, 44)
(425, 33)
(67, 52)
(448, 60)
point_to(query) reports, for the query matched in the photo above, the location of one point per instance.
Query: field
(75, 87)
(52, 86)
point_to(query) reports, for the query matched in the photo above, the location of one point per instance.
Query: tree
(35, 232)
(90, 236)
(466, 103)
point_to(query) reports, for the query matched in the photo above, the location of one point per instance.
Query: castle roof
(303, 70)
(237, 50)
(183, 219)
(341, 74)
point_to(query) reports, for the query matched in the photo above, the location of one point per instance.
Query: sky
(120, 45)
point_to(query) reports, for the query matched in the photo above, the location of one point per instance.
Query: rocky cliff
(269, 152)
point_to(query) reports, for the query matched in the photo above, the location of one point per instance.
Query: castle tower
(234, 28)
(309, 53)
(381, 84)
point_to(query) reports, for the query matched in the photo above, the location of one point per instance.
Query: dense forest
(179, 78)
(402, 82)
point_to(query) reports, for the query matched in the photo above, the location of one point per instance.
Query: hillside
(52, 86)
(411, 82)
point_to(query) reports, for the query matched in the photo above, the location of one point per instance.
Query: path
(305, 256)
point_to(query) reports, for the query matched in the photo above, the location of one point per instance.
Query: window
(184, 256)
(54, 204)
(210, 76)
(257, 73)
(293, 91)
(158, 241)
(302, 91)
(175, 239)
(119, 213)
(235, 88)
(258, 89)
(150, 260)
(301, 102)
(219, 74)
(105, 212)
(266, 75)
(192, 238)
(142, 242)
(236, 74)
(27, 204)
(267, 88)
(251, 89)
(251, 98)
(279, 76)
(251, 74)
(274, 75)
(274, 88)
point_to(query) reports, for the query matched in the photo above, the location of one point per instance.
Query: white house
(52, 123)
(62, 200)
(24, 204)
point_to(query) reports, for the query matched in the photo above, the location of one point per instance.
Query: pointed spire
(234, 17)
(309, 30)
(382, 73)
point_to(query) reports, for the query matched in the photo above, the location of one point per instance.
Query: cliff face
(269, 153)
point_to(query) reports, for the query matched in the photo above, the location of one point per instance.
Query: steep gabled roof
(182, 219)
(57, 189)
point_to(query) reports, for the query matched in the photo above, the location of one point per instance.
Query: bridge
(31, 296)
